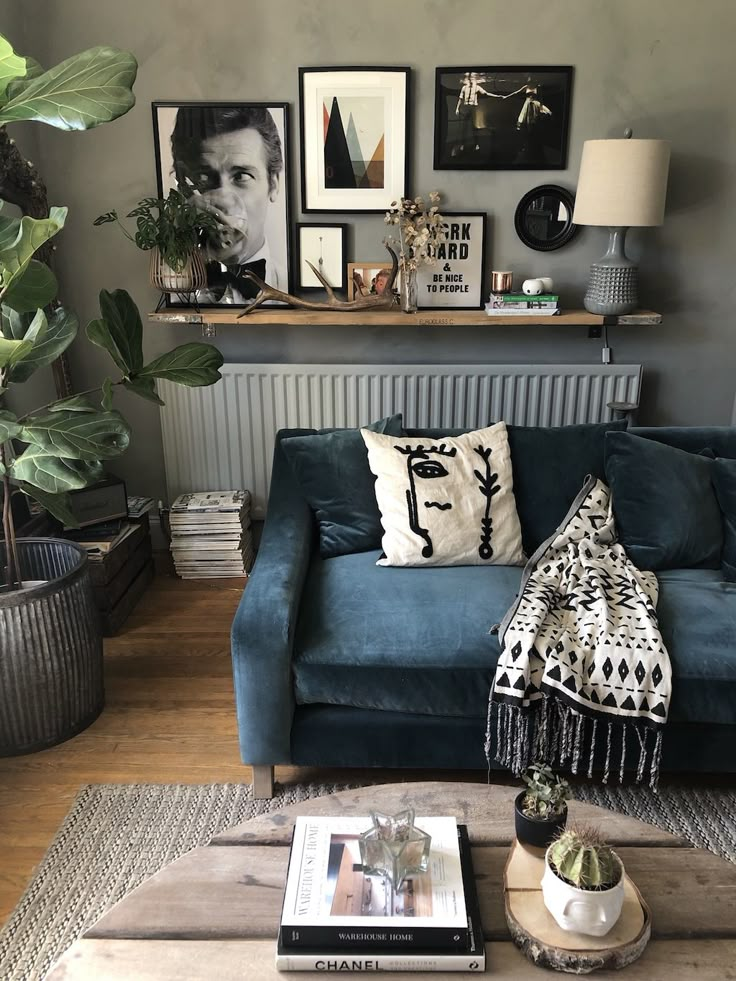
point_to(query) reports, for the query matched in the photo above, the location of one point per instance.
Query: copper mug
(501, 281)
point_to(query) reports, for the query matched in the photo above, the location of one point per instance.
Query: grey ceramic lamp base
(613, 288)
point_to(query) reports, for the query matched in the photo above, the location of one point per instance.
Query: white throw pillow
(448, 501)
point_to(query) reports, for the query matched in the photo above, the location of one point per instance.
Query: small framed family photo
(457, 278)
(369, 279)
(354, 137)
(231, 159)
(324, 246)
(502, 118)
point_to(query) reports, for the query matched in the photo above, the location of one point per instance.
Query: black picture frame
(533, 223)
(277, 211)
(448, 288)
(505, 117)
(339, 264)
(316, 197)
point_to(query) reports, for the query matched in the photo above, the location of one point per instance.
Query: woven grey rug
(117, 835)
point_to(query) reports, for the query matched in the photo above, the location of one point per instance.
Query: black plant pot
(51, 684)
(536, 832)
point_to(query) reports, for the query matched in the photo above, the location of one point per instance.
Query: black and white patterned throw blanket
(582, 659)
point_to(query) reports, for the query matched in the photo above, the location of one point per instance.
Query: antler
(375, 302)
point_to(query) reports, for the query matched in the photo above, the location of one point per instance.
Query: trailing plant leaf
(54, 474)
(188, 364)
(12, 66)
(60, 332)
(106, 400)
(78, 435)
(56, 504)
(20, 238)
(36, 288)
(85, 90)
(9, 426)
(119, 331)
(145, 387)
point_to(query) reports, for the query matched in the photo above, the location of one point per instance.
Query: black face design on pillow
(432, 501)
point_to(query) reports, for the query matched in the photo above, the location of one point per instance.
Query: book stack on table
(522, 305)
(211, 535)
(336, 918)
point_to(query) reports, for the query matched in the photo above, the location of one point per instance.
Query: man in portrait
(229, 161)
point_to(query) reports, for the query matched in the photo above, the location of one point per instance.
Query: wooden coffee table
(214, 913)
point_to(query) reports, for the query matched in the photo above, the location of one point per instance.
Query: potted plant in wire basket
(540, 811)
(171, 229)
(51, 683)
(583, 882)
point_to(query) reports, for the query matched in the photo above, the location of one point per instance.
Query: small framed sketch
(502, 118)
(325, 247)
(457, 279)
(231, 159)
(354, 137)
(369, 279)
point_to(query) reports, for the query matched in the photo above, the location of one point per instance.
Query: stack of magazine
(337, 918)
(211, 535)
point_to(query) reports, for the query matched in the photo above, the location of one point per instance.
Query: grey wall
(660, 66)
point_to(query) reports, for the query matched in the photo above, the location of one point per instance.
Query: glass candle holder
(394, 847)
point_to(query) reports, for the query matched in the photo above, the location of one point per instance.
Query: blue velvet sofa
(340, 663)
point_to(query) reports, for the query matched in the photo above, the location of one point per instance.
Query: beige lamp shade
(622, 183)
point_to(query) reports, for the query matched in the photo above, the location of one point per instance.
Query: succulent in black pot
(540, 810)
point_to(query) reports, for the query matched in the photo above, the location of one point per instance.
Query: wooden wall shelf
(211, 318)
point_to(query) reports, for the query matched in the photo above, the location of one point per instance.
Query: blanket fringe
(554, 733)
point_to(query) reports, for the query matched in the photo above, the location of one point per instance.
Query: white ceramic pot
(548, 283)
(582, 910)
(532, 287)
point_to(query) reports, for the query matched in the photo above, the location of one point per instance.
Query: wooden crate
(120, 577)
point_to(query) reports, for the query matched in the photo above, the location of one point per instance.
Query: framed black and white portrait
(502, 118)
(231, 159)
(325, 248)
(354, 137)
(457, 278)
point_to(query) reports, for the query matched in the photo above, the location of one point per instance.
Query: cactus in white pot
(583, 882)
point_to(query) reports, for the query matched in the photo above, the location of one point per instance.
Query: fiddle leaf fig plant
(61, 446)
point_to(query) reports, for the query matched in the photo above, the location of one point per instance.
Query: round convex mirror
(543, 218)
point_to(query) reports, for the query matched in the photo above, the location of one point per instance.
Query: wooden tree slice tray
(535, 932)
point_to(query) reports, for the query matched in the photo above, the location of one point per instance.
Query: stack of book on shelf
(521, 305)
(211, 535)
(336, 918)
(101, 538)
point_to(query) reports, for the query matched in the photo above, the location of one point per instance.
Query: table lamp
(622, 183)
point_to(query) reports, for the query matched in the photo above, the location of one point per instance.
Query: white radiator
(222, 437)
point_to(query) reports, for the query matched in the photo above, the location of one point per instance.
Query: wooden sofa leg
(262, 782)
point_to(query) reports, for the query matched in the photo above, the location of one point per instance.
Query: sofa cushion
(549, 465)
(724, 481)
(333, 474)
(694, 439)
(446, 502)
(666, 511)
(407, 640)
(697, 617)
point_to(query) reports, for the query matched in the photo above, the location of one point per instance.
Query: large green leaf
(52, 473)
(30, 234)
(87, 89)
(9, 426)
(75, 403)
(106, 400)
(36, 288)
(119, 331)
(60, 332)
(145, 387)
(12, 351)
(56, 504)
(12, 66)
(78, 435)
(189, 364)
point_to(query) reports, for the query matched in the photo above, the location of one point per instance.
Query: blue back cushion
(724, 481)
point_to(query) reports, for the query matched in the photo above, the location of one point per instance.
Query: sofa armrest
(263, 629)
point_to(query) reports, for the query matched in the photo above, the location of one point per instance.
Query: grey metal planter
(51, 683)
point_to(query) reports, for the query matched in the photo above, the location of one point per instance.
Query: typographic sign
(456, 278)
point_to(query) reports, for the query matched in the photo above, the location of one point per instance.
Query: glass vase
(394, 848)
(409, 290)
